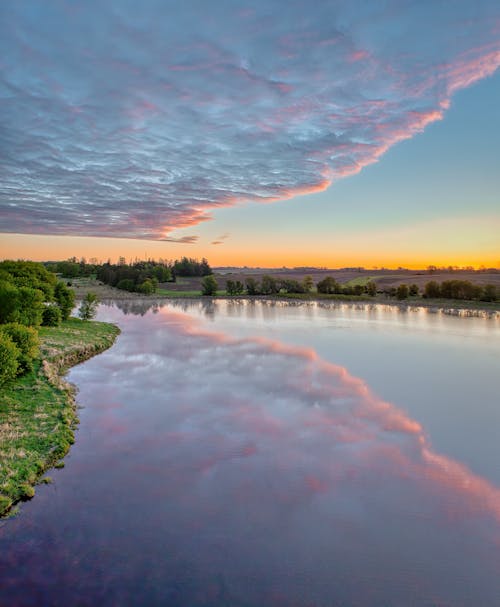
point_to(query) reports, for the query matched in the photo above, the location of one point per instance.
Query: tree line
(269, 285)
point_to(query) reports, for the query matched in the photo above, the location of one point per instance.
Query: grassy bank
(37, 411)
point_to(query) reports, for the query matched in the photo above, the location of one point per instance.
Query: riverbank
(107, 293)
(37, 411)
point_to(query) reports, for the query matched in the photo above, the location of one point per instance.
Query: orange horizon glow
(57, 248)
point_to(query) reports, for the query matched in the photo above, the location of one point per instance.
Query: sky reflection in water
(212, 470)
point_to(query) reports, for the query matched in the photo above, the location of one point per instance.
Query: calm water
(262, 454)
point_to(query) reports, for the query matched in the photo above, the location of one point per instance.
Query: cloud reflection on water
(256, 473)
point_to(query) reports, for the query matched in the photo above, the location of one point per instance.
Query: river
(269, 453)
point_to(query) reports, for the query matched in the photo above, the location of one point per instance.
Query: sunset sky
(270, 133)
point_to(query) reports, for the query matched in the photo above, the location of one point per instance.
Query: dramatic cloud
(131, 119)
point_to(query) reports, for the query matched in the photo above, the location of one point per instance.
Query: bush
(209, 285)
(126, 284)
(9, 359)
(148, 287)
(51, 316)
(27, 342)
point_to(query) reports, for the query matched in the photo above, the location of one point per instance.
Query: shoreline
(38, 415)
(450, 307)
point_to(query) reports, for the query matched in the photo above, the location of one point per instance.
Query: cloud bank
(129, 120)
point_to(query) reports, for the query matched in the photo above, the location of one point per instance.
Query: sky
(266, 133)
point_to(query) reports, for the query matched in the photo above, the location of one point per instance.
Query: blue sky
(172, 122)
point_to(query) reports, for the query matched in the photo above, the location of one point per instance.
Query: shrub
(126, 284)
(51, 316)
(9, 359)
(413, 290)
(148, 287)
(209, 285)
(27, 341)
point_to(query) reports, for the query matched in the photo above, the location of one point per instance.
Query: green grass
(360, 280)
(37, 411)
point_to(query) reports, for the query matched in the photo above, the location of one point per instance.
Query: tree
(269, 286)
(489, 293)
(307, 284)
(413, 290)
(371, 288)
(209, 285)
(65, 299)
(9, 359)
(31, 306)
(402, 291)
(27, 341)
(328, 285)
(432, 289)
(88, 307)
(252, 286)
(9, 302)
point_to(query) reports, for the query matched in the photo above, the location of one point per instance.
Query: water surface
(251, 454)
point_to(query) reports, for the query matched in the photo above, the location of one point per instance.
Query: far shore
(107, 293)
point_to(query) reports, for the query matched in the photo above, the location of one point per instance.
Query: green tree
(328, 285)
(432, 289)
(402, 291)
(269, 286)
(65, 299)
(27, 341)
(209, 285)
(9, 302)
(31, 306)
(230, 287)
(489, 293)
(9, 359)
(88, 307)
(252, 285)
(307, 284)
(413, 290)
(371, 288)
